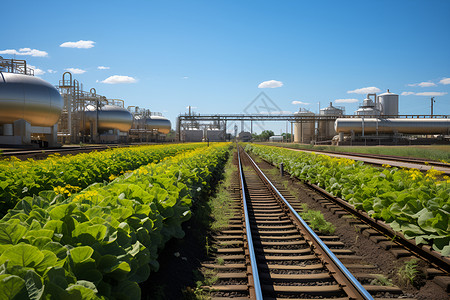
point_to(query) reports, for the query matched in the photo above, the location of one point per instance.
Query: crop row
(74, 172)
(411, 202)
(103, 241)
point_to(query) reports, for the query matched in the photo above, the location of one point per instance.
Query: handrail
(362, 291)
(251, 250)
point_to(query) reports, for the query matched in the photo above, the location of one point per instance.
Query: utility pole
(432, 101)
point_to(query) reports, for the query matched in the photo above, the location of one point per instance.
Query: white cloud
(102, 68)
(407, 93)
(185, 77)
(270, 84)
(445, 81)
(80, 44)
(76, 70)
(346, 100)
(37, 71)
(431, 94)
(423, 84)
(119, 79)
(187, 107)
(51, 71)
(366, 90)
(25, 51)
(300, 103)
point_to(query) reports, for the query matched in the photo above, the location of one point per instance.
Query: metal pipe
(365, 294)
(254, 265)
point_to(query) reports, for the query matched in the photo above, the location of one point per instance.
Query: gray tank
(29, 98)
(109, 117)
(159, 123)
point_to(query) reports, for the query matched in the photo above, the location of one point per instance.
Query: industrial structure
(376, 121)
(32, 111)
(379, 119)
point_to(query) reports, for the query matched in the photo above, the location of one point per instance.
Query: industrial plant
(377, 121)
(34, 112)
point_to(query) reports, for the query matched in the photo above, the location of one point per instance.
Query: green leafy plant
(101, 242)
(19, 179)
(316, 220)
(409, 271)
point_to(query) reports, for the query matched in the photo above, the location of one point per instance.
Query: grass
(433, 152)
(316, 220)
(381, 280)
(220, 204)
(409, 272)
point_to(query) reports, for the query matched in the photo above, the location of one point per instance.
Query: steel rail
(251, 250)
(349, 276)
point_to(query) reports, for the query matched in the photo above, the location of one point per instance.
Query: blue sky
(213, 55)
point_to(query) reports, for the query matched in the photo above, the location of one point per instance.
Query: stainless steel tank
(394, 125)
(29, 98)
(304, 130)
(389, 104)
(326, 127)
(159, 123)
(109, 117)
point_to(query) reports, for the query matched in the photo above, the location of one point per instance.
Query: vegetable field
(411, 202)
(100, 242)
(72, 173)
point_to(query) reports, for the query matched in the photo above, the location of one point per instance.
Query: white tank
(389, 104)
(304, 130)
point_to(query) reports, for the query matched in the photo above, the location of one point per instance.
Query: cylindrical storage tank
(389, 104)
(394, 125)
(367, 111)
(109, 117)
(276, 139)
(29, 98)
(326, 127)
(161, 124)
(304, 130)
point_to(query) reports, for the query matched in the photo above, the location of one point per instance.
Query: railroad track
(269, 252)
(422, 165)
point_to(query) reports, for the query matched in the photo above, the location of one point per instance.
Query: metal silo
(389, 104)
(326, 126)
(304, 129)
